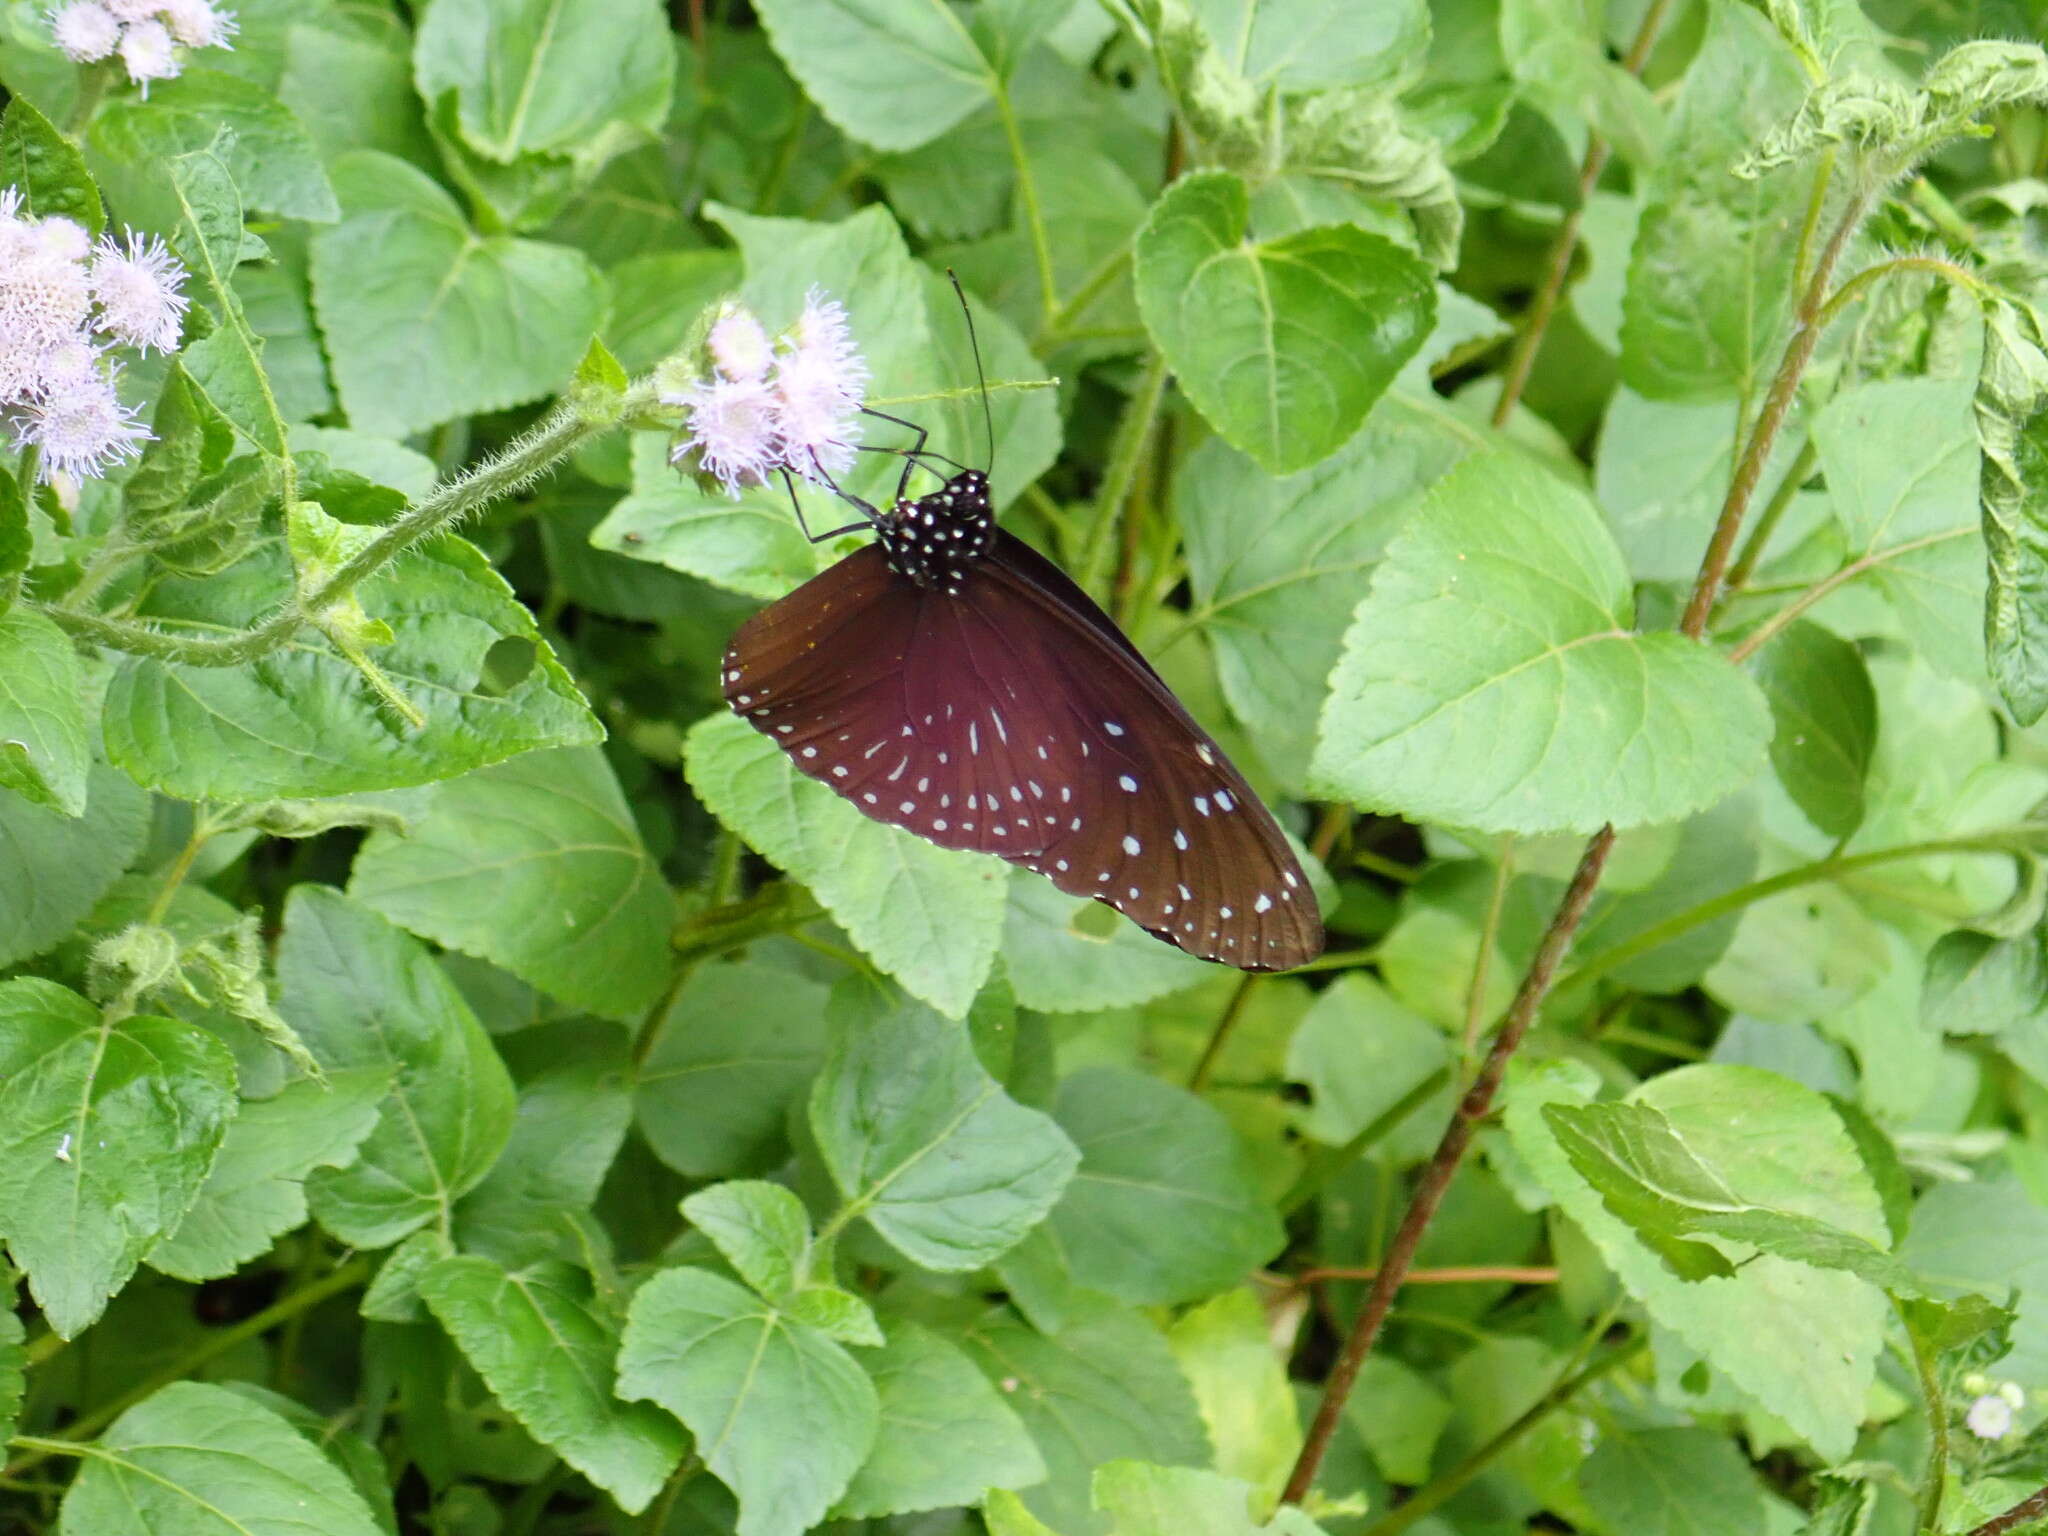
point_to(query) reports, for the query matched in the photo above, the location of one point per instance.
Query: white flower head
(196, 24)
(69, 365)
(44, 299)
(22, 361)
(133, 10)
(734, 431)
(822, 380)
(820, 417)
(62, 239)
(17, 234)
(85, 30)
(81, 430)
(139, 289)
(1989, 1417)
(149, 52)
(738, 346)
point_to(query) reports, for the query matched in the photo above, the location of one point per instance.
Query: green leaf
(763, 1231)
(1225, 1349)
(196, 1457)
(1302, 45)
(928, 916)
(300, 721)
(17, 541)
(739, 1045)
(1068, 954)
(393, 1294)
(751, 1384)
(922, 1142)
(537, 866)
(44, 748)
(192, 443)
(1988, 1238)
(425, 320)
(1103, 1388)
(891, 73)
(46, 169)
(750, 545)
(1359, 1053)
(1799, 955)
(255, 1191)
(1166, 1206)
(1277, 563)
(1492, 677)
(1715, 852)
(266, 149)
(1145, 1500)
(2012, 430)
(228, 364)
(1673, 1482)
(547, 76)
(544, 1346)
(1283, 346)
(1649, 1176)
(1824, 714)
(838, 1314)
(61, 865)
(13, 1366)
(1800, 1342)
(923, 1381)
(1399, 1416)
(365, 994)
(1710, 285)
(106, 1132)
(1980, 985)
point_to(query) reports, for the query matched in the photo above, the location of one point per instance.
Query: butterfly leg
(911, 453)
(830, 533)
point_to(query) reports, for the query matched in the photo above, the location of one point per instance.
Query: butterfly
(950, 680)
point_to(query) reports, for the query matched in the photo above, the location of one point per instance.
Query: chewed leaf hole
(1093, 921)
(506, 665)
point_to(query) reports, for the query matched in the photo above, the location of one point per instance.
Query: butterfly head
(935, 540)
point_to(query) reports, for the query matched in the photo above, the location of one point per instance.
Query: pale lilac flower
(46, 299)
(21, 360)
(85, 30)
(733, 431)
(196, 24)
(62, 239)
(81, 430)
(738, 346)
(822, 380)
(138, 290)
(820, 416)
(149, 52)
(133, 10)
(69, 365)
(1989, 1417)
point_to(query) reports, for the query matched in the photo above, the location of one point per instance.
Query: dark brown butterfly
(950, 680)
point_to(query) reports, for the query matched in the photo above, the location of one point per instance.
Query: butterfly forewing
(1013, 718)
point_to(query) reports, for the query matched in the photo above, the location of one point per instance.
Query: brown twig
(1756, 453)
(1450, 1151)
(1543, 307)
(2033, 1507)
(1225, 1023)
(1463, 1274)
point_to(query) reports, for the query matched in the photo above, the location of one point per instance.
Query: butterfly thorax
(935, 540)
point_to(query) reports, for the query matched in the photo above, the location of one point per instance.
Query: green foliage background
(454, 1077)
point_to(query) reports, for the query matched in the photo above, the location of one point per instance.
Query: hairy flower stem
(1127, 452)
(1443, 1163)
(525, 460)
(1937, 1423)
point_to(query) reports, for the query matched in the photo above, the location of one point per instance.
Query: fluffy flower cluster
(63, 302)
(788, 404)
(1992, 1414)
(151, 36)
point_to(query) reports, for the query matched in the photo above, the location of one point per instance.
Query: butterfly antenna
(988, 419)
